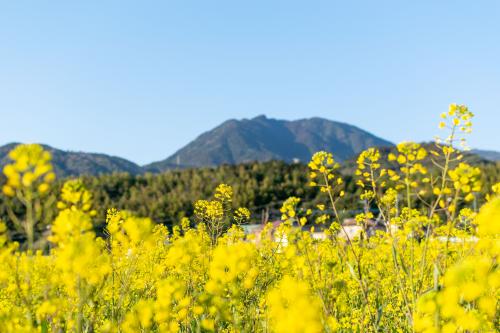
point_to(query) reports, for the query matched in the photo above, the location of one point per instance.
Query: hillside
(263, 139)
(234, 142)
(68, 163)
(490, 155)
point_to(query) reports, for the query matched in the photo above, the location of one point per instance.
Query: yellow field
(432, 268)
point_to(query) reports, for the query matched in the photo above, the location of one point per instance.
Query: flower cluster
(207, 210)
(409, 156)
(369, 169)
(224, 193)
(28, 181)
(241, 215)
(458, 119)
(30, 170)
(292, 308)
(322, 167)
(466, 179)
(75, 196)
(468, 297)
(217, 214)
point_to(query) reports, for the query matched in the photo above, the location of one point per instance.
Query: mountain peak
(260, 117)
(262, 139)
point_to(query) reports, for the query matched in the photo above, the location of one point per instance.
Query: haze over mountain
(263, 139)
(490, 155)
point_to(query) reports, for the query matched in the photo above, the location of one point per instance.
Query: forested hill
(233, 142)
(70, 164)
(261, 187)
(263, 139)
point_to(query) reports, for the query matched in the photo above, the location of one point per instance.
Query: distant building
(349, 227)
(353, 229)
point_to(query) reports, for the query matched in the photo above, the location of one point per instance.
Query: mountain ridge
(490, 155)
(262, 139)
(76, 163)
(234, 141)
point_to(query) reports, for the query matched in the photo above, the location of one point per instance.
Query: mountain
(240, 141)
(68, 163)
(263, 139)
(489, 155)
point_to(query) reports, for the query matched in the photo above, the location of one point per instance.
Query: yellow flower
(452, 109)
(241, 215)
(292, 308)
(224, 193)
(488, 220)
(8, 191)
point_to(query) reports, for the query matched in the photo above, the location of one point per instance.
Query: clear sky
(140, 79)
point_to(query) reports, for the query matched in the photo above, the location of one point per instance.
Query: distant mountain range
(489, 155)
(234, 142)
(69, 163)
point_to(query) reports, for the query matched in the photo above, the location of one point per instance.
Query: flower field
(432, 266)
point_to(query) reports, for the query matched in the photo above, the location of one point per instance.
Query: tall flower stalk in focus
(217, 214)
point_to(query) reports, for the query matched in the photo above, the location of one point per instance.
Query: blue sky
(140, 79)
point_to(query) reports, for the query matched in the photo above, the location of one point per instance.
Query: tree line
(168, 197)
